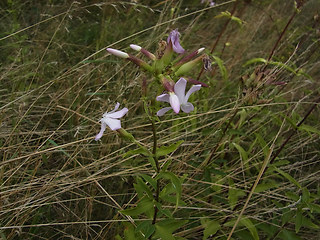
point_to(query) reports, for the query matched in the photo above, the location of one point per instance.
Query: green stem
(154, 152)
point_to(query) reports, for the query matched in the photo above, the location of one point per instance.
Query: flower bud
(143, 51)
(167, 55)
(196, 82)
(140, 63)
(118, 53)
(189, 57)
(167, 83)
(188, 66)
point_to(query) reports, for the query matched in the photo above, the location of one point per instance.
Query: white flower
(111, 119)
(178, 98)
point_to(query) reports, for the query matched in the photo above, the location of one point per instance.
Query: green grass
(57, 80)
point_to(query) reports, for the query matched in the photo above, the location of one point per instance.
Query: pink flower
(178, 98)
(111, 119)
(174, 39)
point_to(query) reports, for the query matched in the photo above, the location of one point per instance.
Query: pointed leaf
(222, 68)
(255, 60)
(143, 206)
(165, 150)
(210, 228)
(287, 176)
(150, 180)
(309, 128)
(147, 228)
(298, 220)
(243, 153)
(247, 222)
(175, 182)
(140, 150)
(165, 228)
(141, 187)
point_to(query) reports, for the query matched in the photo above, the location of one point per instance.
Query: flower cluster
(170, 73)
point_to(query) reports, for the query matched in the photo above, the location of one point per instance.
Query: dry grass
(57, 80)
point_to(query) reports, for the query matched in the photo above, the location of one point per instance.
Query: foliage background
(57, 80)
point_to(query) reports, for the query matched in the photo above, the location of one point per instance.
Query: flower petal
(115, 109)
(118, 114)
(180, 89)
(174, 38)
(188, 107)
(177, 48)
(191, 90)
(114, 124)
(174, 102)
(162, 111)
(163, 98)
(103, 128)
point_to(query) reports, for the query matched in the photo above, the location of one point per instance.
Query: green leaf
(237, 20)
(247, 222)
(269, 229)
(305, 195)
(147, 228)
(130, 234)
(243, 115)
(287, 176)
(56, 145)
(224, 14)
(279, 64)
(210, 227)
(290, 121)
(150, 180)
(165, 150)
(298, 220)
(255, 60)
(175, 182)
(143, 206)
(222, 68)
(287, 216)
(309, 129)
(166, 165)
(314, 207)
(242, 152)
(288, 235)
(306, 222)
(165, 212)
(140, 150)
(265, 186)
(263, 144)
(228, 15)
(152, 162)
(234, 194)
(118, 237)
(142, 187)
(164, 233)
(3, 237)
(165, 228)
(293, 196)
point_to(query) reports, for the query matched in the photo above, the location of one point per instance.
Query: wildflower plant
(169, 70)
